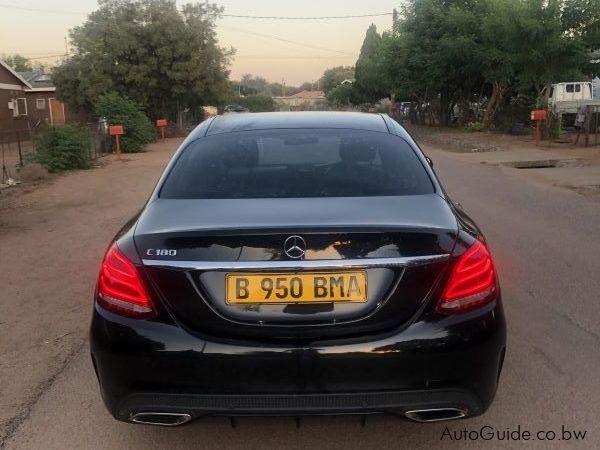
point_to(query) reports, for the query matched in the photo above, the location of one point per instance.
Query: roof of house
(309, 94)
(37, 79)
(15, 74)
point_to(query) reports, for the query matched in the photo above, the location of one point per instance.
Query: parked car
(298, 263)
(234, 109)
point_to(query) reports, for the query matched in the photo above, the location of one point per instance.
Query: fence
(18, 146)
(589, 119)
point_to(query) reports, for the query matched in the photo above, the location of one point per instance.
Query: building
(28, 100)
(302, 101)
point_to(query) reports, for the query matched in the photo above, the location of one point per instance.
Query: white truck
(567, 98)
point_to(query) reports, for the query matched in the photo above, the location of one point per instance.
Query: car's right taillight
(472, 282)
(120, 287)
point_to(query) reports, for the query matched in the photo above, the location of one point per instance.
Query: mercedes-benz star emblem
(294, 247)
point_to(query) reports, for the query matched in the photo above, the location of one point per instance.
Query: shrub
(342, 95)
(258, 103)
(63, 147)
(253, 102)
(553, 128)
(473, 127)
(120, 110)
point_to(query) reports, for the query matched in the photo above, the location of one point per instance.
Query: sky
(39, 28)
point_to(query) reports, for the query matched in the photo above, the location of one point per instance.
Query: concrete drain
(547, 163)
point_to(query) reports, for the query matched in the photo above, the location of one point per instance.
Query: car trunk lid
(190, 246)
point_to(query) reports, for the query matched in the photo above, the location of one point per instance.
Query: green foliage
(250, 85)
(554, 127)
(257, 103)
(19, 63)
(543, 52)
(163, 58)
(333, 77)
(472, 127)
(120, 110)
(341, 95)
(372, 81)
(582, 18)
(63, 147)
(455, 52)
(306, 86)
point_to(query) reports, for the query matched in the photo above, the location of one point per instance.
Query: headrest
(241, 153)
(356, 150)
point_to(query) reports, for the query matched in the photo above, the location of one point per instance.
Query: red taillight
(120, 288)
(472, 282)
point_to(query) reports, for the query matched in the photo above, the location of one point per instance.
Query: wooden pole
(19, 147)
(587, 125)
(118, 149)
(596, 117)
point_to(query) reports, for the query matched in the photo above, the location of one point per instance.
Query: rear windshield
(297, 163)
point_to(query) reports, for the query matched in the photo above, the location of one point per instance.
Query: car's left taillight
(120, 287)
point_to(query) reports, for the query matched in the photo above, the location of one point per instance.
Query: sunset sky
(39, 28)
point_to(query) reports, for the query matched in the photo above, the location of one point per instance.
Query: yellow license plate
(267, 288)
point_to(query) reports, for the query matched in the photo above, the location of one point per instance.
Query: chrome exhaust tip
(161, 418)
(435, 414)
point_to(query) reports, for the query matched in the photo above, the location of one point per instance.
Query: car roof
(296, 120)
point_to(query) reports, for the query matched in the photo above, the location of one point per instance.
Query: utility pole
(393, 106)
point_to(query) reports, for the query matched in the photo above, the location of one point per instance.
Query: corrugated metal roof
(309, 94)
(37, 79)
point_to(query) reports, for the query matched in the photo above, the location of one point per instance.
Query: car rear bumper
(436, 362)
(392, 402)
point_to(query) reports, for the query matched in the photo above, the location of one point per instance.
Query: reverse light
(472, 282)
(120, 287)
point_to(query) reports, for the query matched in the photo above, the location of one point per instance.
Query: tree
(120, 110)
(306, 86)
(258, 103)
(371, 82)
(341, 95)
(19, 63)
(456, 52)
(250, 85)
(440, 45)
(164, 59)
(499, 34)
(581, 18)
(334, 76)
(544, 52)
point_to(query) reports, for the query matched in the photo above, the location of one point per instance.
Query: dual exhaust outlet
(168, 419)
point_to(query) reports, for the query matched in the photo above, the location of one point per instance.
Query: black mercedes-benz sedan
(294, 264)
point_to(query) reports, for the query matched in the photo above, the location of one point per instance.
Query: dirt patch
(592, 190)
(456, 140)
(32, 172)
(53, 232)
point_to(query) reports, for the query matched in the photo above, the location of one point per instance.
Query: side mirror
(429, 161)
